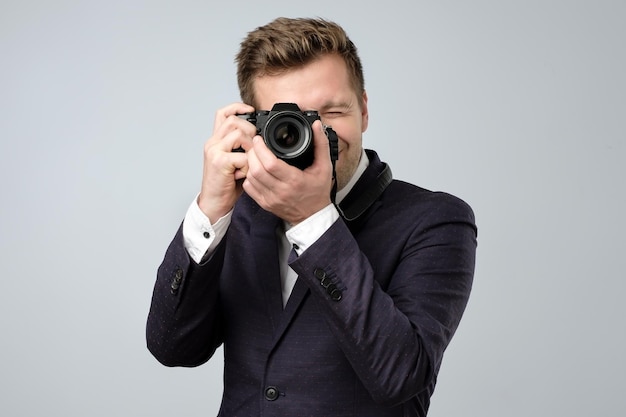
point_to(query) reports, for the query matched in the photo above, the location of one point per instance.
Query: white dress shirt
(202, 238)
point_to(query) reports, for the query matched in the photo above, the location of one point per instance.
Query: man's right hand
(225, 170)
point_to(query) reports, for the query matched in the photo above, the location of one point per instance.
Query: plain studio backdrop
(518, 107)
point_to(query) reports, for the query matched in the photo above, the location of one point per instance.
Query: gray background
(518, 107)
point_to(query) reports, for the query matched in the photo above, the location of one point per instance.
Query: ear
(364, 112)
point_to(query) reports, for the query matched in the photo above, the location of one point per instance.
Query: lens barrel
(288, 135)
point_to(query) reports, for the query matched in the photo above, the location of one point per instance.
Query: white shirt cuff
(199, 235)
(304, 234)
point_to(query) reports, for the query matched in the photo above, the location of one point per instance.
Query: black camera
(287, 132)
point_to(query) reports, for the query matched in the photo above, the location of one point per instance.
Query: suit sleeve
(395, 336)
(184, 322)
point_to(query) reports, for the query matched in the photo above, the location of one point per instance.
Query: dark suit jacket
(376, 302)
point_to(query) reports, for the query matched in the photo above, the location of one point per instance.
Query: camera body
(287, 132)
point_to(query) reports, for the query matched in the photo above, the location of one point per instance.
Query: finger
(270, 167)
(233, 133)
(239, 163)
(232, 109)
(321, 145)
(226, 120)
(241, 173)
(238, 138)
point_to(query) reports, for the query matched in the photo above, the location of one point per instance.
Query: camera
(287, 132)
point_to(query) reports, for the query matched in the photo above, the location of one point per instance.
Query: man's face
(323, 85)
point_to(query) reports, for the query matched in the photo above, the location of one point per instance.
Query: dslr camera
(287, 132)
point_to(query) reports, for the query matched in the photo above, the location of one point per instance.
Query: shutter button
(271, 393)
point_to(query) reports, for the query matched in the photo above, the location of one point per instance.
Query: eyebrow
(341, 104)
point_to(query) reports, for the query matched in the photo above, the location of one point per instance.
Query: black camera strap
(357, 207)
(333, 142)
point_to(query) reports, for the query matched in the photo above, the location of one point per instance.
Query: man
(324, 308)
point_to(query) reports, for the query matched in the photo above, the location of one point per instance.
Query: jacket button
(319, 273)
(178, 275)
(178, 278)
(335, 294)
(271, 393)
(326, 282)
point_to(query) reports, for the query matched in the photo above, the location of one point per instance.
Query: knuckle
(254, 171)
(272, 164)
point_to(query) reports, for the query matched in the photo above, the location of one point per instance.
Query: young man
(326, 305)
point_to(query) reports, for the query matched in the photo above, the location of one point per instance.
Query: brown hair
(287, 43)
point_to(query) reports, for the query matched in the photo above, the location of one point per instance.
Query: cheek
(348, 132)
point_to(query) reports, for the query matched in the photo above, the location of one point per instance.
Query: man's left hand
(289, 192)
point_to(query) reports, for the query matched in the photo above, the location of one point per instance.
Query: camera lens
(287, 135)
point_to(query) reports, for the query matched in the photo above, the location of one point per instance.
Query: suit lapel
(263, 240)
(298, 295)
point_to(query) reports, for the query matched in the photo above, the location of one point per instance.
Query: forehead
(312, 86)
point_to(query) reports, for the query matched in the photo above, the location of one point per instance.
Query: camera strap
(365, 200)
(357, 207)
(333, 142)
